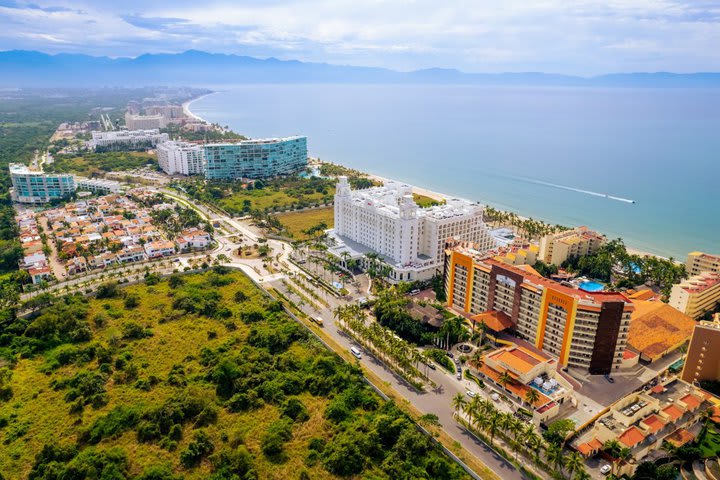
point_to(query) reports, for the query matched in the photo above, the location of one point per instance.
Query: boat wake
(578, 190)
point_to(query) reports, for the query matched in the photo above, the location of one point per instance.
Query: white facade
(181, 157)
(140, 122)
(387, 221)
(97, 185)
(127, 139)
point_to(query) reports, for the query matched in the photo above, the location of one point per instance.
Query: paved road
(436, 401)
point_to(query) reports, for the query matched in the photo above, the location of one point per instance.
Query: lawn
(296, 222)
(271, 199)
(709, 445)
(92, 163)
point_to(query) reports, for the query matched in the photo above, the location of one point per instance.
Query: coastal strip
(189, 113)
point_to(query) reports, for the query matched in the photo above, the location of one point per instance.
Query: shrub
(200, 447)
(133, 331)
(132, 300)
(294, 408)
(277, 434)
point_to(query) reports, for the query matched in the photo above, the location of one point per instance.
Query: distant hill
(35, 69)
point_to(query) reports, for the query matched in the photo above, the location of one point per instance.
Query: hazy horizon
(585, 38)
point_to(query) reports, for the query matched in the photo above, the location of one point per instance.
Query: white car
(605, 469)
(470, 393)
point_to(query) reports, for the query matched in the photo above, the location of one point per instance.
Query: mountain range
(21, 68)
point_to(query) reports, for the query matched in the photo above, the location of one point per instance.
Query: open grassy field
(272, 199)
(91, 163)
(296, 222)
(195, 377)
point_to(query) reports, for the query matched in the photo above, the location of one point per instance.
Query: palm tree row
(382, 342)
(526, 227)
(481, 415)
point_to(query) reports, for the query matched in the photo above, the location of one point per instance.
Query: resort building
(703, 356)
(97, 185)
(555, 248)
(528, 370)
(518, 255)
(181, 158)
(699, 262)
(581, 329)
(144, 122)
(36, 187)
(253, 159)
(387, 221)
(657, 329)
(696, 295)
(642, 421)
(120, 140)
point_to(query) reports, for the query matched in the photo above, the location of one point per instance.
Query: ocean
(573, 156)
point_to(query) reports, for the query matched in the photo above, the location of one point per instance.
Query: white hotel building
(118, 140)
(181, 157)
(386, 220)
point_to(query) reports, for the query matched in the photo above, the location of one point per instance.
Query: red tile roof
(653, 423)
(631, 437)
(673, 412)
(494, 320)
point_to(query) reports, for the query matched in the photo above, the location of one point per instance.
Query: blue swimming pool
(590, 286)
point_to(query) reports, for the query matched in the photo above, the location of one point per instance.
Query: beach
(189, 113)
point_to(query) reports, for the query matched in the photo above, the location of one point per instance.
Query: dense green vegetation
(91, 163)
(262, 197)
(194, 376)
(612, 262)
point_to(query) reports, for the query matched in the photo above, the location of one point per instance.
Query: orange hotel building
(582, 330)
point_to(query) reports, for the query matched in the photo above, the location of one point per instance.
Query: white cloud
(583, 37)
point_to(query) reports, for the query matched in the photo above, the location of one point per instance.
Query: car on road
(414, 292)
(459, 376)
(605, 469)
(609, 378)
(470, 393)
(432, 366)
(356, 353)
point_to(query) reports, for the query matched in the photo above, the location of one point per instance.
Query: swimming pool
(590, 286)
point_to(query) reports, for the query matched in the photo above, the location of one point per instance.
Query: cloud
(583, 36)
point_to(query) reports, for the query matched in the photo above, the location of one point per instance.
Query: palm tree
(493, 423)
(477, 358)
(504, 379)
(574, 462)
(582, 474)
(532, 396)
(458, 402)
(554, 455)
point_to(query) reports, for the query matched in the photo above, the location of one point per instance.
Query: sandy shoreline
(441, 197)
(189, 113)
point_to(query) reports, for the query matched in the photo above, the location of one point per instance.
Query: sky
(562, 36)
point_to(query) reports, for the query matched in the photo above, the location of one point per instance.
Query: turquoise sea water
(576, 156)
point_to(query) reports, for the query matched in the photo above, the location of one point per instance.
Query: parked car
(449, 354)
(609, 378)
(432, 366)
(459, 376)
(605, 469)
(470, 393)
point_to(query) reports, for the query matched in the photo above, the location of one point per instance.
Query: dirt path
(57, 268)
